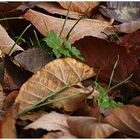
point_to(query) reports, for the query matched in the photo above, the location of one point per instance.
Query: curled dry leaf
(89, 127)
(128, 27)
(6, 42)
(126, 119)
(8, 124)
(55, 8)
(102, 55)
(32, 59)
(10, 99)
(2, 96)
(52, 77)
(86, 27)
(52, 122)
(80, 7)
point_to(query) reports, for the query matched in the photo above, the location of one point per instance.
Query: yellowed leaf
(89, 127)
(86, 27)
(52, 77)
(6, 42)
(126, 119)
(52, 122)
(80, 7)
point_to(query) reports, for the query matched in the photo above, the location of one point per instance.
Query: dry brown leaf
(32, 59)
(6, 42)
(80, 7)
(10, 99)
(126, 119)
(102, 55)
(135, 101)
(2, 96)
(8, 124)
(52, 77)
(89, 127)
(14, 76)
(128, 27)
(86, 27)
(52, 122)
(55, 8)
(32, 116)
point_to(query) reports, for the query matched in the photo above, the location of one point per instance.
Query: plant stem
(45, 98)
(44, 104)
(120, 83)
(112, 74)
(65, 19)
(37, 39)
(11, 18)
(19, 38)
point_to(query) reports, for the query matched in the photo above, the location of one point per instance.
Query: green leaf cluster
(103, 100)
(64, 49)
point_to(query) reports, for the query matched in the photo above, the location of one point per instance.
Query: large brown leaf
(86, 27)
(52, 122)
(80, 7)
(6, 42)
(55, 8)
(126, 119)
(102, 55)
(89, 127)
(52, 77)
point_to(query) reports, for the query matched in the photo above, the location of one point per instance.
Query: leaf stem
(11, 18)
(19, 39)
(65, 19)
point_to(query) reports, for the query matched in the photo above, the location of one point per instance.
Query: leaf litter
(60, 95)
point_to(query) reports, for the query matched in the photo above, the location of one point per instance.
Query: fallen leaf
(32, 116)
(129, 27)
(86, 27)
(102, 55)
(10, 99)
(52, 122)
(2, 96)
(124, 13)
(32, 59)
(126, 119)
(6, 43)
(135, 101)
(55, 8)
(8, 124)
(52, 77)
(89, 127)
(80, 7)
(14, 76)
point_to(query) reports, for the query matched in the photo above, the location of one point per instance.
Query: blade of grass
(65, 19)
(120, 83)
(19, 38)
(38, 42)
(45, 98)
(112, 74)
(9, 18)
(44, 104)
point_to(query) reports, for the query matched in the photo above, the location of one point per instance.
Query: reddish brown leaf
(32, 59)
(80, 7)
(8, 124)
(102, 55)
(126, 119)
(135, 101)
(86, 27)
(55, 8)
(10, 99)
(2, 96)
(89, 127)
